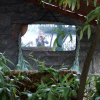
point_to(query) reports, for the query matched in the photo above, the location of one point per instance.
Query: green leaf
(89, 31)
(66, 77)
(20, 82)
(69, 3)
(60, 3)
(54, 44)
(1, 89)
(50, 1)
(41, 1)
(70, 81)
(1, 72)
(66, 91)
(10, 62)
(88, 81)
(78, 5)
(81, 34)
(87, 2)
(6, 68)
(90, 18)
(95, 1)
(70, 36)
(60, 34)
(85, 28)
(74, 93)
(43, 90)
(36, 84)
(73, 6)
(42, 69)
(46, 79)
(42, 83)
(50, 96)
(27, 63)
(60, 78)
(4, 59)
(95, 80)
(28, 79)
(98, 86)
(90, 13)
(76, 30)
(4, 96)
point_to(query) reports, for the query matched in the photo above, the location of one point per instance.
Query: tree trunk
(87, 63)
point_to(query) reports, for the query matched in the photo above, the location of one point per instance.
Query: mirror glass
(44, 35)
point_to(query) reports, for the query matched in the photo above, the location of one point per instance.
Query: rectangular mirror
(44, 35)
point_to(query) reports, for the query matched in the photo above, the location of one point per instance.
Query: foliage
(72, 3)
(47, 92)
(56, 88)
(8, 89)
(94, 92)
(61, 33)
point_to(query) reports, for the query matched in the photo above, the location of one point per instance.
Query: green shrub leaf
(89, 31)
(1, 89)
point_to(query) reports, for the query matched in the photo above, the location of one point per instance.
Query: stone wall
(21, 12)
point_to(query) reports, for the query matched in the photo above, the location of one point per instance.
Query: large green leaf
(66, 91)
(54, 44)
(95, 1)
(60, 79)
(87, 2)
(4, 96)
(51, 96)
(60, 34)
(73, 4)
(74, 93)
(69, 3)
(89, 31)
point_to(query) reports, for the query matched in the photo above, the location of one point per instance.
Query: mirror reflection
(44, 35)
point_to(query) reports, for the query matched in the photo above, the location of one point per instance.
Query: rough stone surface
(21, 12)
(5, 20)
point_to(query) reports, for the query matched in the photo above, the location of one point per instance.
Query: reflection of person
(41, 40)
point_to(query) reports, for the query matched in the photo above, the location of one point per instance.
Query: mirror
(44, 35)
